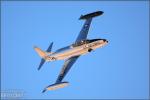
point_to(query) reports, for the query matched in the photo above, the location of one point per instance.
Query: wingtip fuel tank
(56, 86)
(90, 15)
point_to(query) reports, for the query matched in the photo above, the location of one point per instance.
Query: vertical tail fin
(40, 52)
(43, 54)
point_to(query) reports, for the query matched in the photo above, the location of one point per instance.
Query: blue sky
(117, 71)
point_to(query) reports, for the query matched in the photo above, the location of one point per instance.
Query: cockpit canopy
(84, 42)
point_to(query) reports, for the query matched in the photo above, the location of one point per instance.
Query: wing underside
(84, 31)
(66, 67)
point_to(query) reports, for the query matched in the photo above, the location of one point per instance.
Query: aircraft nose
(105, 40)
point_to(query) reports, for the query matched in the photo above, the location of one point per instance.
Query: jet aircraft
(71, 53)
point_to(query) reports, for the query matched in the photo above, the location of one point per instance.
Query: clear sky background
(117, 71)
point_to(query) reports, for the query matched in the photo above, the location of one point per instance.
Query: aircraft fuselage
(77, 49)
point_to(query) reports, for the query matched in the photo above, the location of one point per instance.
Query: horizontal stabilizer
(56, 86)
(90, 15)
(41, 63)
(43, 54)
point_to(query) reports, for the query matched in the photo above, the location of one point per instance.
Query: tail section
(43, 54)
(40, 52)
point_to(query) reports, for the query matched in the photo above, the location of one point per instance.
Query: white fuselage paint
(76, 51)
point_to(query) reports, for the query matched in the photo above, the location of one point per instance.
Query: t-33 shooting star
(71, 53)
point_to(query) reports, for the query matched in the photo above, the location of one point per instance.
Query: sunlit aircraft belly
(70, 53)
(76, 51)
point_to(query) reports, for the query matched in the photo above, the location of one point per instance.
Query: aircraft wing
(66, 67)
(84, 31)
